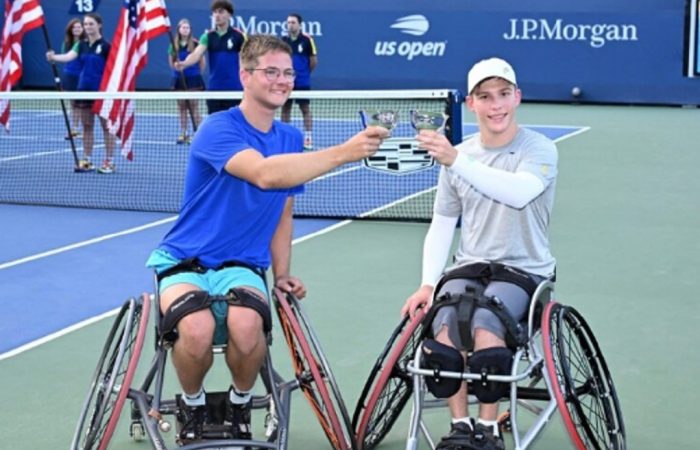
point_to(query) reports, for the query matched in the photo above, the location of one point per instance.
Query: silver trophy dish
(383, 118)
(424, 120)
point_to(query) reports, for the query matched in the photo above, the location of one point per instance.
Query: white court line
(37, 154)
(84, 323)
(57, 334)
(33, 155)
(575, 133)
(66, 248)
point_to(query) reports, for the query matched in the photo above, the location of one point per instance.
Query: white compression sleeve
(436, 247)
(514, 189)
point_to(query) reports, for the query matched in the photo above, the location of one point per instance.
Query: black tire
(112, 378)
(313, 372)
(584, 389)
(389, 385)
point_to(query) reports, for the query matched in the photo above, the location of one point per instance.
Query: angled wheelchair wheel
(313, 372)
(389, 386)
(112, 379)
(582, 384)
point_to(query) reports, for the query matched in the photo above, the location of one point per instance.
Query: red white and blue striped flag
(20, 17)
(140, 21)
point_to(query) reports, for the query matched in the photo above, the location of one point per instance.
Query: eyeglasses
(273, 73)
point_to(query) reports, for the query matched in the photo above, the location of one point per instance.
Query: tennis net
(37, 161)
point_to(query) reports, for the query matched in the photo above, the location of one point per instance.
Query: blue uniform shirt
(72, 67)
(222, 217)
(303, 48)
(182, 53)
(223, 50)
(94, 58)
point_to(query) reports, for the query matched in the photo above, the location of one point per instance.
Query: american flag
(140, 21)
(20, 17)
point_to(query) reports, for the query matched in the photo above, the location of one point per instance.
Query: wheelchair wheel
(389, 385)
(313, 372)
(582, 384)
(112, 379)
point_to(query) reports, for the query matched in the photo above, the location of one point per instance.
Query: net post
(453, 109)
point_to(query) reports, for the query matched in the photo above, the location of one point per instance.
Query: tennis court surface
(624, 231)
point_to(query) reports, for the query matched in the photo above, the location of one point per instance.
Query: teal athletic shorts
(215, 282)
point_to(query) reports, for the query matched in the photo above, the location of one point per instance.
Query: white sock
(467, 420)
(198, 399)
(491, 423)
(237, 396)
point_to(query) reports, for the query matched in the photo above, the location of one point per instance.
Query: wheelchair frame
(561, 365)
(111, 385)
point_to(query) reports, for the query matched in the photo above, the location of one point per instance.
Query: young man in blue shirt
(223, 45)
(304, 58)
(236, 220)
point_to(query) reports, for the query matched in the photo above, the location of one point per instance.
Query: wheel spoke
(587, 398)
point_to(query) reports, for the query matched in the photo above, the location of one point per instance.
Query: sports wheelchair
(112, 384)
(556, 364)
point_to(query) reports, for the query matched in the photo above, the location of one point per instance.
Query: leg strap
(467, 303)
(243, 297)
(182, 306)
(487, 272)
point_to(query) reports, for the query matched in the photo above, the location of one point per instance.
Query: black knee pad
(245, 298)
(440, 357)
(490, 361)
(182, 306)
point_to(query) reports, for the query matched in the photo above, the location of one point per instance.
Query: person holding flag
(73, 34)
(139, 22)
(188, 80)
(93, 52)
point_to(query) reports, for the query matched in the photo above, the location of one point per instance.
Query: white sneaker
(308, 142)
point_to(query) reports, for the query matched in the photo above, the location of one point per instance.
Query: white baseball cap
(488, 68)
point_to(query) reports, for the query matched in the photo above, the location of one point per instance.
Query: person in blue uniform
(71, 71)
(223, 45)
(189, 79)
(304, 57)
(93, 53)
(235, 222)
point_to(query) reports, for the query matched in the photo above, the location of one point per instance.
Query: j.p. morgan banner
(622, 51)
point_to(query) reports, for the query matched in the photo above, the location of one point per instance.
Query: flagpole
(57, 81)
(188, 104)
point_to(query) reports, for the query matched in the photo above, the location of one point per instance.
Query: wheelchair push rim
(113, 376)
(581, 381)
(389, 385)
(313, 372)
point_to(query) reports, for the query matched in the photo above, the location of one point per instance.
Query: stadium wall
(624, 51)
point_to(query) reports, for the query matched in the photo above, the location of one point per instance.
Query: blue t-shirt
(223, 50)
(182, 53)
(222, 217)
(72, 67)
(303, 48)
(94, 58)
